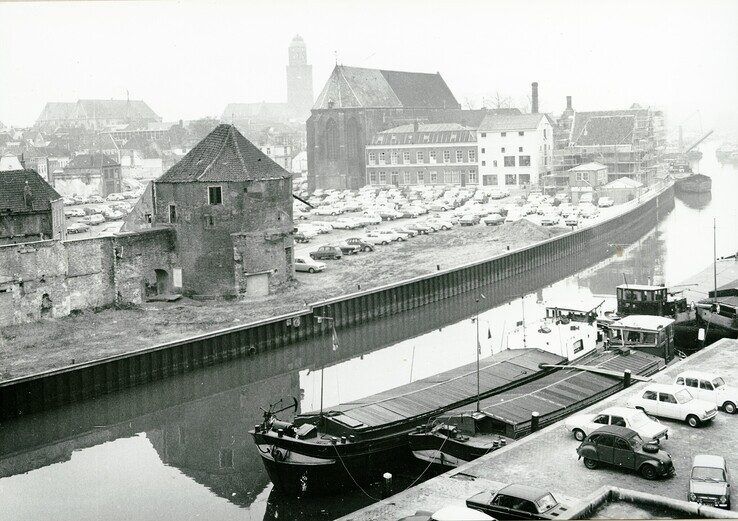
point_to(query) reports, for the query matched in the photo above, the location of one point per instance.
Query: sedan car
(549, 220)
(517, 502)
(624, 448)
(469, 219)
(493, 219)
(349, 249)
(572, 220)
(77, 228)
(422, 229)
(605, 202)
(74, 212)
(709, 482)
(326, 252)
(360, 243)
(582, 425)
(308, 265)
(450, 513)
(675, 402)
(406, 231)
(115, 197)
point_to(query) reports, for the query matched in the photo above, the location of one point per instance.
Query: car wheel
(693, 421)
(401, 239)
(385, 243)
(367, 249)
(590, 463)
(311, 270)
(648, 472)
(729, 407)
(579, 435)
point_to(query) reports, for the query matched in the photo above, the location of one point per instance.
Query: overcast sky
(188, 59)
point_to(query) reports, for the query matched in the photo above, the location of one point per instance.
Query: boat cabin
(636, 299)
(720, 314)
(651, 334)
(466, 423)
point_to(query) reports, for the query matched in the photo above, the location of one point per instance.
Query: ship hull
(694, 184)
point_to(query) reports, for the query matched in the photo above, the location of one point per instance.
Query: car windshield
(636, 442)
(683, 396)
(708, 474)
(547, 502)
(718, 382)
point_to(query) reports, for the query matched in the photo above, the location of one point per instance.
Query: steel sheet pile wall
(564, 254)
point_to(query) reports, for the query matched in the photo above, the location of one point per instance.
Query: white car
(322, 227)
(709, 387)
(74, 212)
(115, 197)
(674, 402)
(391, 235)
(308, 265)
(449, 513)
(346, 224)
(605, 202)
(582, 425)
(77, 228)
(327, 210)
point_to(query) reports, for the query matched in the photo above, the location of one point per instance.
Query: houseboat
(650, 334)
(640, 299)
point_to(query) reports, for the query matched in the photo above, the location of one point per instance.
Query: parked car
(605, 202)
(113, 215)
(93, 219)
(469, 219)
(581, 425)
(95, 199)
(624, 448)
(675, 402)
(440, 224)
(549, 220)
(422, 229)
(709, 481)
(346, 224)
(388, 214)
(349, 249)
(300, 237)
(369, 219)
(74, 212)
(77, 228)
(518, 502)
(68, 201)
(326, 210)
(322, 227)
(308, 265)
(326, 252)
(408, 233)
(493, 219)
(450, 513)
(80, 199)
(388, 235)
(361, 243)
(115, 197)
(571, 221)
(709, 387)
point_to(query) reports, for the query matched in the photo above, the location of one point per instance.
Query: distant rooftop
(650, 322)
(16, 198)
(505, 122)
(588, 167)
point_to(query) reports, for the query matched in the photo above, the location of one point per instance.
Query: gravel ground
(55, 343)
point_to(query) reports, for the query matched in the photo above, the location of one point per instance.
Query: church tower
(299, 79)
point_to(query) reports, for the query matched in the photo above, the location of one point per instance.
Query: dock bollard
(534, 419)
(386, 484)
(626, 378)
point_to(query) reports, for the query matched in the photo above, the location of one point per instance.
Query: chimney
(415, 125)
(568, 103)
(534, 98)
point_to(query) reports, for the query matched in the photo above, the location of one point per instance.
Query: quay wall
(559, 256)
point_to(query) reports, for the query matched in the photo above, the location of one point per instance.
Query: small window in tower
(215, 195)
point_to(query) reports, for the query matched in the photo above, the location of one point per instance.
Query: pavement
(548, 458)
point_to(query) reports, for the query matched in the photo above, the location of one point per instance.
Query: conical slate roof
(224, 155)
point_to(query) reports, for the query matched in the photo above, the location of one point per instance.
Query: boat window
(649, 338)
(718, 382)
(704, 384)
(633, 337)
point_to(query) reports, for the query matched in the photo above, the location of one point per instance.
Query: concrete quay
(548, 459)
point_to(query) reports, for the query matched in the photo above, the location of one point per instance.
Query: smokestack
(534, 98)
(568, 103)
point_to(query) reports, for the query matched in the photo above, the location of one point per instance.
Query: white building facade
(515, 150)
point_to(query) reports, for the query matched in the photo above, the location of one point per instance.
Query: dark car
(518, 502)
(360, 243)
(622, 447)
(326, 252)
(349, 249)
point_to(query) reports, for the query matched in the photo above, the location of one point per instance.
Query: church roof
(224, 155)
(355, 87)
(15, 198)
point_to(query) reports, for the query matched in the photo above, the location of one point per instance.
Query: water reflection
(180, 449)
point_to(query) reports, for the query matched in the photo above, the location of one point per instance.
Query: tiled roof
(428, 133)
(224, 155)
(13, 192)
(355, 87)
(612, 127)
(54, 110)
(505, 122)
(624, 182)
(91, 161)
(115, 109)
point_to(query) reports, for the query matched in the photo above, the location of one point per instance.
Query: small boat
(694, 183)
(719, 316)
(727, 153)
(456, 439)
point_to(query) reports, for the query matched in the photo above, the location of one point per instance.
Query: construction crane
(700, 140)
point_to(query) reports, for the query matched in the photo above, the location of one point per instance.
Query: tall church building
(299, 79)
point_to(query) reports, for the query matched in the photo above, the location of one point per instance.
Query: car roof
(666, 388)
(621, 411)
(523, 491)
(623, 432)
(708, 460)
(697, 374)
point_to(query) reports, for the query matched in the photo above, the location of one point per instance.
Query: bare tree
(469, 103)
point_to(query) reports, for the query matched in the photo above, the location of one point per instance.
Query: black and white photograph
(397, 260)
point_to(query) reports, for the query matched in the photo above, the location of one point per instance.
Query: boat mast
(322, 367)
(714, 260)
(479, 346)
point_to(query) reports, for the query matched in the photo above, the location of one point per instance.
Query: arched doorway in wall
(162, 282)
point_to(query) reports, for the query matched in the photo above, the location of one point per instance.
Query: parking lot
(95, 216)
(548, 458)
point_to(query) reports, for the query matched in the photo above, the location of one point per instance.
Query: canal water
(179, 449)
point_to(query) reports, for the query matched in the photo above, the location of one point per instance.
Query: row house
(428, 154)
(515, 149)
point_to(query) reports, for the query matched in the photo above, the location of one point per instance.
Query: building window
(421, 178)
(372, 178)
(510, 179)
(419, 157)
(521, 133)
(432, 155)
(489, 180)
(406, 178)
(520, 149)
(483, 151)
(372, 158)
(583, 176)
(382, 178)
(524, 160)
(544, 133)
(509, 160)
(395, 178)
(393, 158)
(503, 134)
(472, 176)
(447, 178)
(484, 163)
(406, 157)
(494, 163)
(484, 134)
(434, 177)
(459, 156)
(382, 158)
(446, 156)
(172, 213)
(524, 179)
(215, 195)
(472, 155)
(502, 150)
